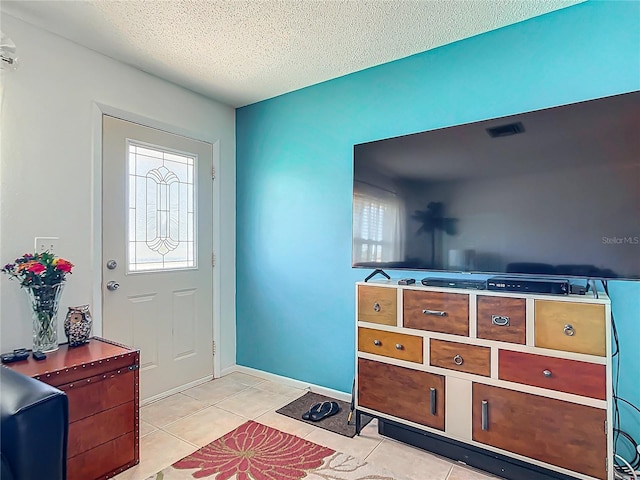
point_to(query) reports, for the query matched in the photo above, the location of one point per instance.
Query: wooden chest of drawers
(100, 379)
(521, 375)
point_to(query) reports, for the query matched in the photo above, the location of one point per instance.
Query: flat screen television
(554, 192)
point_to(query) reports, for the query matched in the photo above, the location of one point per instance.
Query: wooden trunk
(101, 381)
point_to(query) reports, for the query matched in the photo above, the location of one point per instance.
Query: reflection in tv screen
(550, 192)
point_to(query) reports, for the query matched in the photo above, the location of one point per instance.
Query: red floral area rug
(256, 452)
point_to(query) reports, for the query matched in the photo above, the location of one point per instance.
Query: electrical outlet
(46, 244)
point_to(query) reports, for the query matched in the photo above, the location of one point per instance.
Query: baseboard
(329, 392)
(179, 389)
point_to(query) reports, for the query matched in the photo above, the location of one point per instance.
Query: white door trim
(98, 110)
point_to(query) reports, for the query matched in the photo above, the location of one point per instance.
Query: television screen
(551, 192)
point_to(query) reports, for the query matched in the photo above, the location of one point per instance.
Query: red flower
(255, 451)
(64, 265)
(43, 268)
(36, 268)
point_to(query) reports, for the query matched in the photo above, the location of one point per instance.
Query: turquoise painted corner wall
(295, 284)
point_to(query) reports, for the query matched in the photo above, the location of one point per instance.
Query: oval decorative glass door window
(161, 209)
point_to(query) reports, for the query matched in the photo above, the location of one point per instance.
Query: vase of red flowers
(42, 275)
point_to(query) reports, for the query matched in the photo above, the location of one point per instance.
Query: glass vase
(43, 300)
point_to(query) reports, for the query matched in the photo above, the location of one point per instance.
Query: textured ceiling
(241, 52)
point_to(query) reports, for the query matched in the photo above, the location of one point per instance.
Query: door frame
(98, 110)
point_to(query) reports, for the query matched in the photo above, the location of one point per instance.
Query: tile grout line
(449, 473)
(208, 405)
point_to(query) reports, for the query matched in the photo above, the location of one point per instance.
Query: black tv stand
(375, 272)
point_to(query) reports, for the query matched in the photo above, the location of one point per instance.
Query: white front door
(157, 244)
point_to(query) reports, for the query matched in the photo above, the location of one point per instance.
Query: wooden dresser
(526, 376)
(100, 379)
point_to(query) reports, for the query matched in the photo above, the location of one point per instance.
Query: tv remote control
(39, 356)
(16, 356)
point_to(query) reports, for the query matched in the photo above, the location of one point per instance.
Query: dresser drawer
(378, 305)
(105, 460)
(402, 392)
(102, 392)
(572, 327)
(437, 312)
(90, 432)
(571, 376)
(553, 431)
(461, 357)
(502, 319)
(389, 344)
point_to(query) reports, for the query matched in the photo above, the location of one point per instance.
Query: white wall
(47, 127)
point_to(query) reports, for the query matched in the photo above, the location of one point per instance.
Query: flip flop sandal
(326, 410)
(314, 408)
(335, 408)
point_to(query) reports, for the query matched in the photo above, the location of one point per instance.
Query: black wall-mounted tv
(554, 192)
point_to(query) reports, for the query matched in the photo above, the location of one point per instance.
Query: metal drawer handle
(568, 330)
(458, 360)
(399, 346)
(547, 373)
(435, 312)
(500, 320)
(377, 343)
(376, 307)
(485, 415)
(433, 400)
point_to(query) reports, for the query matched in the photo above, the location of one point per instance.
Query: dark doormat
(336, 423)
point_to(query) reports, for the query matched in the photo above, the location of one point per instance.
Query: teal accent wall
(295, 284)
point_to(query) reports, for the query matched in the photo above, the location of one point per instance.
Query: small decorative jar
(77, 325)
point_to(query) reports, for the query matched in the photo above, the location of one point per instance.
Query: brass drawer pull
(485, 415)
(568, 330)
(437, 313)
(376, 307)
(547, 373)
(399, 346)
(377, 343)
(458, 360)
(500, 320)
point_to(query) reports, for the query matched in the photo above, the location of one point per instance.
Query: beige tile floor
(178, 425)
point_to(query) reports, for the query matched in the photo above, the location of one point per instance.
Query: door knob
(112, 264)
(113, 286)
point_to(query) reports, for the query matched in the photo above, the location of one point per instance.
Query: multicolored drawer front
(553, 431)
(389, 344)
(570, 326)
(417, 396)
(570, 376)
(460, 356)
(502, 319)
(377, 305)
(436, 312)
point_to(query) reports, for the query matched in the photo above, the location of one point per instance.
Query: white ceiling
(241, 52)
